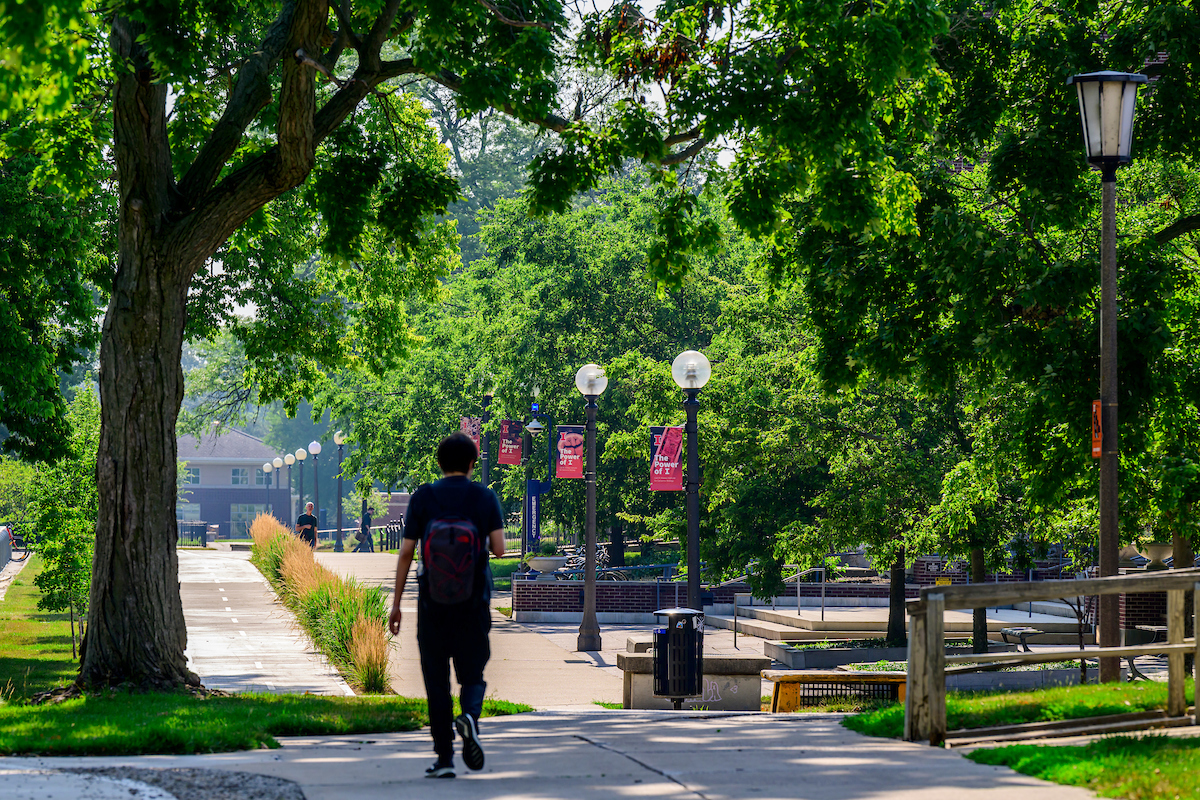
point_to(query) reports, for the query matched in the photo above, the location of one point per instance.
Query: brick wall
(1145, 608)
(649, 596)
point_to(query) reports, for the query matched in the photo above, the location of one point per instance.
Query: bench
(1022, 634)
(1142, 634)
(793, 687)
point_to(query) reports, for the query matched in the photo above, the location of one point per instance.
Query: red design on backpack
(450, 551)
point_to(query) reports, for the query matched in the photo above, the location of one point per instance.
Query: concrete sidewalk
(610, 754)
(525, 667)
(240, 637)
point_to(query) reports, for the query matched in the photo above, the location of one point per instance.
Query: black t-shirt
(455, 496)
(307, 519)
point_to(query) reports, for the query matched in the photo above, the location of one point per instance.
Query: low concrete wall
(829, 658)
(731, 682)
(1019, 681)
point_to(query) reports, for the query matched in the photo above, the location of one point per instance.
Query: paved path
(613, 754)
(240, 637)
(526, 667)
(9, 574)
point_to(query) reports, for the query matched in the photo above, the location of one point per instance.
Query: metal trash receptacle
(679, 655)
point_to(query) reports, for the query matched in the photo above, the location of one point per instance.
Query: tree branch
(251, 93)
(551, 122)
(1178, 228)
(513, 22)
(687, 152)
(368, 54)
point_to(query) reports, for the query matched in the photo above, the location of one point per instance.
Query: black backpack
(450, 551)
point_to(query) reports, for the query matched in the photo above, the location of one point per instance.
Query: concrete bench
(731, 682)
(639, 643)
(793, 687)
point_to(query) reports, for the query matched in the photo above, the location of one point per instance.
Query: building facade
(223, 484)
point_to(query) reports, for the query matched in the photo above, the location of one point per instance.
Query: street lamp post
(1106, 105)
(266, 468)
(691, 371)
(339, 438)
(591, 382)
(277, 463)
(290, 459)
(484, 446)
(314, 447)
(301, 455)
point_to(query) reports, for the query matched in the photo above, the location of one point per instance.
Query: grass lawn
(1122, 766)
(980, 710)
(120, 723)
(502, 570)
(35, 655)
(35, 646)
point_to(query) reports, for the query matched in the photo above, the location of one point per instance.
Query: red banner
(470, 426)
(510, 441)
(570, 451)
(1097, 431)
(666, 467)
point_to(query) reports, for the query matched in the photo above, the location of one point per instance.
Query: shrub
(346, 619)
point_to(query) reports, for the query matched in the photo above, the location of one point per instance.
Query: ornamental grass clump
(369, 655)
(333, 610)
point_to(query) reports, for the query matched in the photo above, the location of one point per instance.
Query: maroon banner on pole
(666, 467)
(570, 451)
(470, 426)
(510, 441)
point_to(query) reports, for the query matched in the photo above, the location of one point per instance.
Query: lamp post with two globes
(1106, 104)
(691, 371)
(591, 382)
(339, 438)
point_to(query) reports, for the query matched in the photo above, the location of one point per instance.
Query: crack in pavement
(642, 764)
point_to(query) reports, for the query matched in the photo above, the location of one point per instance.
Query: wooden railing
(925, 695)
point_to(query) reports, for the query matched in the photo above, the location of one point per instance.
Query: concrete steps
(788, 627)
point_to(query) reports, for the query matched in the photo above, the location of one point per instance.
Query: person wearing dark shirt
(458, 631)
(365, 544)
(306, 526)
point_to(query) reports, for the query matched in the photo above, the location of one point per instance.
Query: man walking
(455, 522)
(306, 526)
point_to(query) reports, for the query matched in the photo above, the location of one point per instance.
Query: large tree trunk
(896, 635)
(136, 630)
(979, 632)
(166, 232)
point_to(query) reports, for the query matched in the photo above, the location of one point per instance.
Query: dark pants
(461, 634)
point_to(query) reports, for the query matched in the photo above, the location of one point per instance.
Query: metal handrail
(810, 570)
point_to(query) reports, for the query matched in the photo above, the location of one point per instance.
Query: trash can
(679, 654)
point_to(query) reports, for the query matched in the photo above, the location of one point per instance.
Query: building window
(240, 517)
(261, 478)
(191, 476)
(187, 512)
(241, 476)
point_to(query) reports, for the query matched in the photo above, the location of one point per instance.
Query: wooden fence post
(935, 666)
(1196, 658)
(916, 692)
(1176, 700)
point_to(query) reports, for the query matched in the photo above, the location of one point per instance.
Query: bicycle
(20, 550)
(576, 561)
